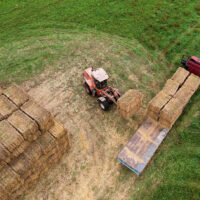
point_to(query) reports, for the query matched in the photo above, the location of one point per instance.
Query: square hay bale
(6, 107)
(16, 94)
(171, 111)
(47, 142)
(34, 151)
(192, 82)
(130, 100)
(158, 102)
(20, 149)
(180, 75)
(22, 165)
(153, 115)
(57, 130)
(9, 137)
(24, 124)
(184, 94)
(9, 181)
(171, 87)
(4, 154)
(39, 114)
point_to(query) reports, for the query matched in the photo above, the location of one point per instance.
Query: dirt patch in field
(90, 169)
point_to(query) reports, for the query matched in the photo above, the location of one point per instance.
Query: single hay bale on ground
(38, 113)
(129, 114)
(171, 111)
(180, 75)
(184, 94)
(9, 181)
(171, 87)
(16, 94)
(130, 100)
(24, 124)
(4, 154)
(9, 137)
(6, 107)
(47, 142)
(192, 82)
(158, 102)
(22, 166)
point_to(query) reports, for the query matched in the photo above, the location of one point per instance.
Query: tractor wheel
(87, 89)
(104, 105)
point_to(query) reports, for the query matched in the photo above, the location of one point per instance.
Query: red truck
(192, 64)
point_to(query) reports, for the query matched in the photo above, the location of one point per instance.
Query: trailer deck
(141, 147)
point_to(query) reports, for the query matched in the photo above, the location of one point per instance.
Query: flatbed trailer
(141, 147)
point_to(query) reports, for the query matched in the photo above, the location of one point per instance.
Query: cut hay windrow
(39, 114)
(6, 107)
(16, 94)
(180, 75)
(24, 124)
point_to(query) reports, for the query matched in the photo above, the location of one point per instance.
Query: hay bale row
(6, 107)
(34, 161)
(171, 87)
(42, 117)
(16, 94)
(25, 125)
(192, 82)
(129, 103)
(169, 103)
(180, 75)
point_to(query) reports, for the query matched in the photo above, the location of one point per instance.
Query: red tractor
(192, 64)
(95, 81)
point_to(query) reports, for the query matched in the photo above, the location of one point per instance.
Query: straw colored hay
(130, 100)
(24, 124)
(16, 94)
(6, 107)
(22, 165)
(57, 130)
(171, 87)
(34, 151)
(20, 149)
(47, 142)
(180, 75)
(4, 154)
(158, 102)
(153, 115)
(192, 82)
(172, 111)
(9, 137)
(38, 113)
(9, 181)
(184, 94)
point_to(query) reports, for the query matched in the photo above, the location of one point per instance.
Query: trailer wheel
(104, 105)
(87, 89)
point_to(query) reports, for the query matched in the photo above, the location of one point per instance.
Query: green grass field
(33, 34)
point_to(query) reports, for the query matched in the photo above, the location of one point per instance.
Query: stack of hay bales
(169, 103)
(31, 141)
(129, 103)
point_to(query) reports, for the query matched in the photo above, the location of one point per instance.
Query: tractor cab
(100, 78)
